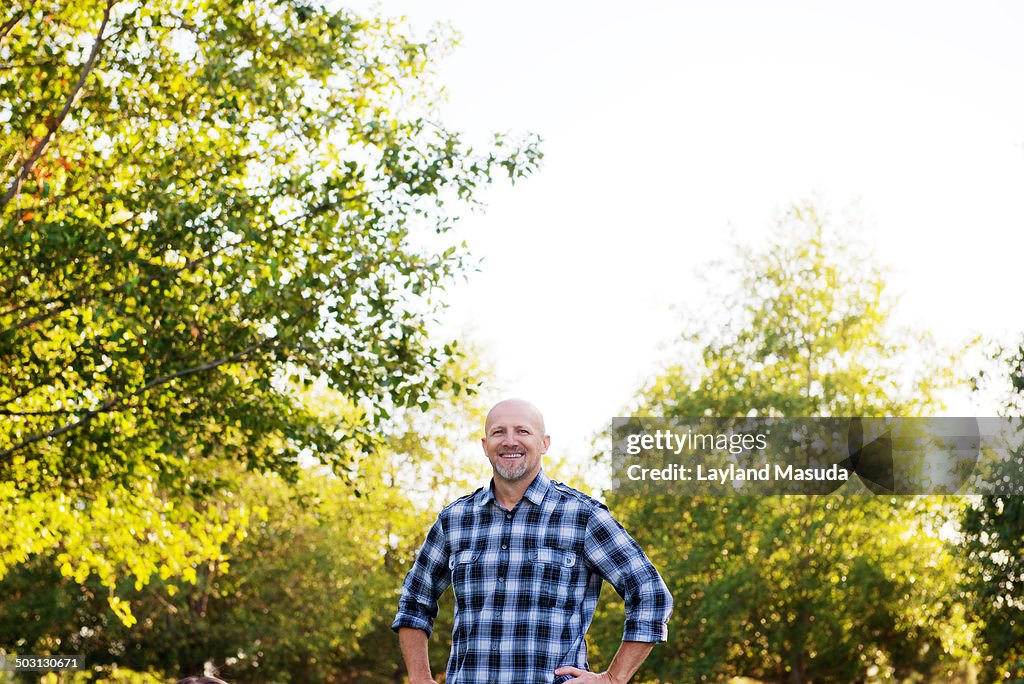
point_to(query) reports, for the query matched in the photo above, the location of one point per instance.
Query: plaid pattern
(527, 581)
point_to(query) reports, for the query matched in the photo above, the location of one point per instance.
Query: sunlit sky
(673, 130)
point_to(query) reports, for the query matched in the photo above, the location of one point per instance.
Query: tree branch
(114, 402)
(74, 295)
(55, 412)
(11, 23)
(41, 146)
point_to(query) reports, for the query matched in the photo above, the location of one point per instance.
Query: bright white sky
(673, 129)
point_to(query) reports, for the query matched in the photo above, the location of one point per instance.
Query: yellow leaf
(122, 610)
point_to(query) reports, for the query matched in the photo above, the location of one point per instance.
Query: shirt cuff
(647, 632)
(412, 615)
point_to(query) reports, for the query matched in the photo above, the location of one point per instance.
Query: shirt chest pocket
(467, 579)
(554, 573)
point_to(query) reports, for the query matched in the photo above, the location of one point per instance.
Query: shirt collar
(534, 493)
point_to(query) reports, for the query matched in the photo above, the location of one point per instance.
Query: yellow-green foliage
(826, 589)
(206, 208)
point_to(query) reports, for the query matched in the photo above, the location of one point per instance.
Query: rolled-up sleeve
(426, 581)
(614, 555)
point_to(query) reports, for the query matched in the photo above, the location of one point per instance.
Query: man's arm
(417, 605)
(413, 643)
(612, 553)
(628, 659)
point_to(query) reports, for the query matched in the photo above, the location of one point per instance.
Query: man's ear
(547, 443)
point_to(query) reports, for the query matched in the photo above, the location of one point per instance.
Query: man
(526, 557)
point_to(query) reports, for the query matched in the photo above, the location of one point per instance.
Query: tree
(795, 589)
(993, 547)
(993, 543)
(205, 206)
(806, 332)
(307, 595)
(291, 601)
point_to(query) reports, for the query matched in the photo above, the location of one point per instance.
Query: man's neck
(508, 494)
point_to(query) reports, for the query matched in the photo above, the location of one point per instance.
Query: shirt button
(508, 516)
(501, 579)
(504, 547)
(498, 615)
(494, 647)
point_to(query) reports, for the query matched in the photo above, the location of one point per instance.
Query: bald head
(514, 442)
(518, 407)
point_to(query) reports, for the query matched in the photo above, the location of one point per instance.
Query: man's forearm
(413, 643)
(628, 659)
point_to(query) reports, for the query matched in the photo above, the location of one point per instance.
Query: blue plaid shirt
(526, 583)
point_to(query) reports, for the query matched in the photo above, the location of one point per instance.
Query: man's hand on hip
(627, 661)
(584, 677)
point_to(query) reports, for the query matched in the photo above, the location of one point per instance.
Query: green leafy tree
(206, 205)
(307, 595)
(289, 602)
(993, 547)
(804, 331)
(797, 589)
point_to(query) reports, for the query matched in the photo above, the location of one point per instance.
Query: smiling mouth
(513, 454)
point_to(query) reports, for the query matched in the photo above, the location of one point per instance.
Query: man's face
(514, 440)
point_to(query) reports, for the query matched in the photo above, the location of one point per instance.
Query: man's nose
(509, 439)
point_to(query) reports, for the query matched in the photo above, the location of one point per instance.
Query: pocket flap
(467, 556)
(557, 556)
